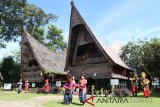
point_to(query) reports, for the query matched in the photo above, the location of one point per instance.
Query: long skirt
(82, 96)
(68, 98)
(146, 93)
(26, 89)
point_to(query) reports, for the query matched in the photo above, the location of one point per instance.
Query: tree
(143, 53)
(17, 13)
(16, 55)
(54, 39)
(10, 70)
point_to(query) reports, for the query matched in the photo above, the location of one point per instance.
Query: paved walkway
(33, 102)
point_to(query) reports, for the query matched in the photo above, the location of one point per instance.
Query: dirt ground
(33, 102)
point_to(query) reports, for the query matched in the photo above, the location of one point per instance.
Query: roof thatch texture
(111, 54)
(49, 61)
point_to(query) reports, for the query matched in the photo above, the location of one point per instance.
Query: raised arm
(65, 86)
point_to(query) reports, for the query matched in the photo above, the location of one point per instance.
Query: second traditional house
(39, 63)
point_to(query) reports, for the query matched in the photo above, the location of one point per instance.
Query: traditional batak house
(86, 55)
(38, 61)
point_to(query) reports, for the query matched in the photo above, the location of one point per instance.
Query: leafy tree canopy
(10, 70)
(55, 39)
(143, 54)
(14, 14)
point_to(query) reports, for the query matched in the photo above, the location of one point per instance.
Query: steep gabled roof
(114, 54)
(47, 60)
(75, 20)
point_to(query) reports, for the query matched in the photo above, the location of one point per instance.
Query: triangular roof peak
(76, 23)
(47, 60)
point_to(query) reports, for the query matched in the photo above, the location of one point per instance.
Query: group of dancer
(70, 86)
(144, 83)
(27, 85)
(19, 84)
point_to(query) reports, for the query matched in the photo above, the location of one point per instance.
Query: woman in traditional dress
(145, 83)
(46, 86)
(26, 86)
(146, 91)
(19, 84)
(69, 87)
(82, 89)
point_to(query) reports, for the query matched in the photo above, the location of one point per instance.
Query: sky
(125, 20)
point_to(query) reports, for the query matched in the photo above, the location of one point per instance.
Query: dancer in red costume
(46, 86)
(134, 88)
(26, 86)
(145, 83)
(146, 91)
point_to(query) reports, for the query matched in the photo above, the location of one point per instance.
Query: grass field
(140, 101)
(13, 96)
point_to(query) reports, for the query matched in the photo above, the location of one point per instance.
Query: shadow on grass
(73, 103)
(78, 104)
(61, 103)
(153, 94)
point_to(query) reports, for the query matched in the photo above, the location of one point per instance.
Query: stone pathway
(33, 102)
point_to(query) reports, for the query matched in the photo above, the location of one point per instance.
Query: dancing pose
(26, 86)
(19, 84)
(134, 88)
(145, 83)
(82, 89)
(46, 86)
(69, 88)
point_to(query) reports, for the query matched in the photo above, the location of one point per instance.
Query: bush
(122, 92)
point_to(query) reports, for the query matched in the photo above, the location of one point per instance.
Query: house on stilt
(38, 62)
(86, 55)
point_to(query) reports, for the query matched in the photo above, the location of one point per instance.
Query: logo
(91, 98)
(106, 100)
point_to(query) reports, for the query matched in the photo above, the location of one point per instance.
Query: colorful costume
(69, 88)
(46, 86)
(82, 90)
(26, 86)
(134, 90)
(145, 83)
(146, 91)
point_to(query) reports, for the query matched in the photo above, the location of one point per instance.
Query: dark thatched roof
(109, 52)
(49, 61)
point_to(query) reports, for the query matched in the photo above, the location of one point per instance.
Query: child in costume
(26, 86)
(69, 88)
(82, 89)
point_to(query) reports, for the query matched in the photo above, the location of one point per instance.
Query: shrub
(122, 92)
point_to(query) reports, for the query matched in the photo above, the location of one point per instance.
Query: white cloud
(133, 34)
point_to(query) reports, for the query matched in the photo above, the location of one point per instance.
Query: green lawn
(13, 96)
(140, 101)
(153, 101)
